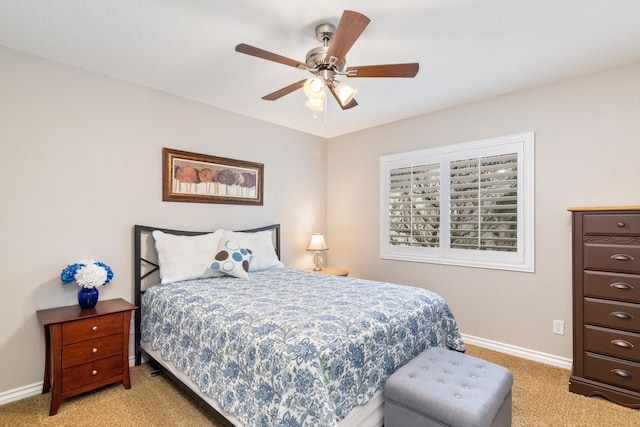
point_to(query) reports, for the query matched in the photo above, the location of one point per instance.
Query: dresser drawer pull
(621, 315)
(94, 351)
(622, 373)
(622, 257)
(621, 286)
(94, 372)
(95, 328)
(621, 224)
(622, 343)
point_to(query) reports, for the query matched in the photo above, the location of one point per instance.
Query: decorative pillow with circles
(232, 259)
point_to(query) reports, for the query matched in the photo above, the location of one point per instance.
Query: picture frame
(200, 178)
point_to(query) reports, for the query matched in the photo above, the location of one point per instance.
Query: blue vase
(87, 297)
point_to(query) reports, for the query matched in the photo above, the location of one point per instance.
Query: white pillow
(186, 257)
(261, 245)
(232, 259)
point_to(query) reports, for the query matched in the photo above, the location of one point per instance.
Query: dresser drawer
(618, 286)
(88, 351)
(611, 257)
(612, 371)
(612, 224)
(612, 342)
(94, 327)
(88, 373)
(618, 315)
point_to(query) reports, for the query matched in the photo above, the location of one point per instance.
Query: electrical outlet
(558, 327)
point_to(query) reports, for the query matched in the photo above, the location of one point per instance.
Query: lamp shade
(317, 243)
(344, 92)
(315, 104)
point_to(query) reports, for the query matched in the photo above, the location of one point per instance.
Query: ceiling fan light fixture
(328, 61)
(314, 88)
(344, 92)
(315, 104)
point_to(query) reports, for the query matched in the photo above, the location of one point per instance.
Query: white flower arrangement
(87, 273)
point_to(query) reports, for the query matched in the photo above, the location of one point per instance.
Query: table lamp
(317, 244)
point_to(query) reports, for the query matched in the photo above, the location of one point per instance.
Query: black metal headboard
(146, 268)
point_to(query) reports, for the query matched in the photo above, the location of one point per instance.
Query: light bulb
(314, 88)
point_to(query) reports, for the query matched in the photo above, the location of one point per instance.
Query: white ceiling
(467, 49)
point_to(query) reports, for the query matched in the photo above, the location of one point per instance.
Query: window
(468, 204)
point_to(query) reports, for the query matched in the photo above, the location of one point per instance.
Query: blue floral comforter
(291, 348)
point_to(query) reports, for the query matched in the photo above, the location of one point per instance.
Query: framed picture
(199, 178)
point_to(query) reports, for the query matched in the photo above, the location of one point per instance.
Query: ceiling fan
(328, 61)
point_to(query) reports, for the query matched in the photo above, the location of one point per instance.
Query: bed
(263, 344)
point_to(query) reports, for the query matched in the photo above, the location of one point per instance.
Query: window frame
(523, 259)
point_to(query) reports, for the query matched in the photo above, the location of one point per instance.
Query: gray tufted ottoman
(446, 388)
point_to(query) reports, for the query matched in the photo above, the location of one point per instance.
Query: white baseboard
(21, 393)
(536, 356)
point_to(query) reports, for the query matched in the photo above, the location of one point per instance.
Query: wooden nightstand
(332, 271)
(85, 349)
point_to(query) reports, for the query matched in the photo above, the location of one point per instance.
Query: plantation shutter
(414, 206)
(484, 203)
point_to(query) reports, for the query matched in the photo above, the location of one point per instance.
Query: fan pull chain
(325, 114)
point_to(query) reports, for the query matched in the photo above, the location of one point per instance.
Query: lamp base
(317, 260)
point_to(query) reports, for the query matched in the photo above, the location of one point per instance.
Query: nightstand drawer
(90, 328)
(88, 351)
(87, 373)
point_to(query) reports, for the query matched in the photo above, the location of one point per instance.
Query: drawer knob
(622, 373)
(622, 343)
(622, 257)
(621, 315)
(95, 328)
(94, 351)
(622, 286)
(94, 372)
(621, 224)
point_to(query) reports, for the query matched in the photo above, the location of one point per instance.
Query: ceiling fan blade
(351, 103)
(384, 70)
(269, 56)
(351, 25)
(284, 91)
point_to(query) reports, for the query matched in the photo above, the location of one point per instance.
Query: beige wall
(81, 164)
(587, 134)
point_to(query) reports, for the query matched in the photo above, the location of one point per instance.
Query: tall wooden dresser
(606, 303)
